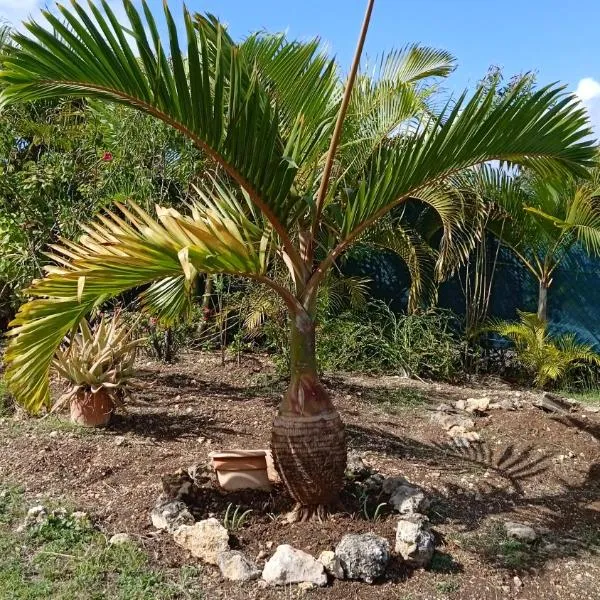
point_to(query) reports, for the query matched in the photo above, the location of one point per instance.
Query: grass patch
(494, 544)
(447, 587)
(395, 400)
(63, 557)
(6, 402)
(590, 397)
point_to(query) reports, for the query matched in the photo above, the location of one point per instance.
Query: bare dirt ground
(530, 466)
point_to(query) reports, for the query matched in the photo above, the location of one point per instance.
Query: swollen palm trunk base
(310, 455)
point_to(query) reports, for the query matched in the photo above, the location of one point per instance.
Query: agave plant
(306, 164)
(547, 358)
(97, 363)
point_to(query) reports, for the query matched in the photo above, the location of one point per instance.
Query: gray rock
(236, 567)
(204, 540)
(363, 556)
(408, 499)
(391, 484)
(289, 565)
(477, 405)
(356, 469)
(520, 531)
(374, 483)
(332, 564)
(171, 515)
(120, 538)
(36, 513)
(504, 404)
(414, 542)
(448, 421)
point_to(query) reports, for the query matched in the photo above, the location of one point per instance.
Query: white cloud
(14, 12)
(588, 90)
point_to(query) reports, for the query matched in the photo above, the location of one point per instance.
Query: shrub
(377, 340)
(547, 359)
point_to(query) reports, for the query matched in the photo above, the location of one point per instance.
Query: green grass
(494, 544)
(447, 587)
(6, 405)
(591, 396)
(63, 558)
(395, 400)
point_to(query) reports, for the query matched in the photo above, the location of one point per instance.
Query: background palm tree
(269, 113)
(541, 218)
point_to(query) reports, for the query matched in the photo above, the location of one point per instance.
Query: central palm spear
(306, 163)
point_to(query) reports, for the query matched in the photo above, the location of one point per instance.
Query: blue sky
(559, 40)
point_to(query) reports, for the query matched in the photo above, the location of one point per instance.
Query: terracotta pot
(241, 469)
(91, 409)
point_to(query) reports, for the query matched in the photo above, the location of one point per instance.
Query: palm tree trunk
(542, 310)
(308, 440)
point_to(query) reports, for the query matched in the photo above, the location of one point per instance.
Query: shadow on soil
(569, 520)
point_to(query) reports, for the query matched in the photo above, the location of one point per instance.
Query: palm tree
(271, 115)
(546, 357)
(541, 218)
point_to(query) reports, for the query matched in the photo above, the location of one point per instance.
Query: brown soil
(530, 466)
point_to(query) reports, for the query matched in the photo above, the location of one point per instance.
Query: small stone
(35, 512)
(517, 581)
(414, 542)
(204, 540)
(262, 555)
(408, 499)
(477, 405)
(171, 515)
(120, 538)
(356, 469)
(520, 531)
(289, 565)
(269, 544)
(306, 585)
(53, 434)
(120, 441)
(363, 556)
(235, 566)
(460, 404)
(332, 564)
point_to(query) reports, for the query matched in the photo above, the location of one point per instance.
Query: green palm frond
(542, 130)
(547, 358)
(414, 63)
(287, 70)
(418, 256)
(120, 252)
(388, 98)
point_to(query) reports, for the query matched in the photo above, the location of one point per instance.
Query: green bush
(377, 340)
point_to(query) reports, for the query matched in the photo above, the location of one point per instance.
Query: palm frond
(543, 130)
(120, 252)
(546, 358)
(418, 256)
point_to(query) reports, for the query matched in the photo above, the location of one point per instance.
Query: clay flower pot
(91, 409)
(241, 469)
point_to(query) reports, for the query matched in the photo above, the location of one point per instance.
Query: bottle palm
(264, 111)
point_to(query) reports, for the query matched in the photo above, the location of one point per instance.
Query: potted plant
(98, 364)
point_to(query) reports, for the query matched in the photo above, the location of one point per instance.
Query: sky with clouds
(556, 39)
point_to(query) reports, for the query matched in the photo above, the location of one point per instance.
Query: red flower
(107, 156)
(153, 321)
